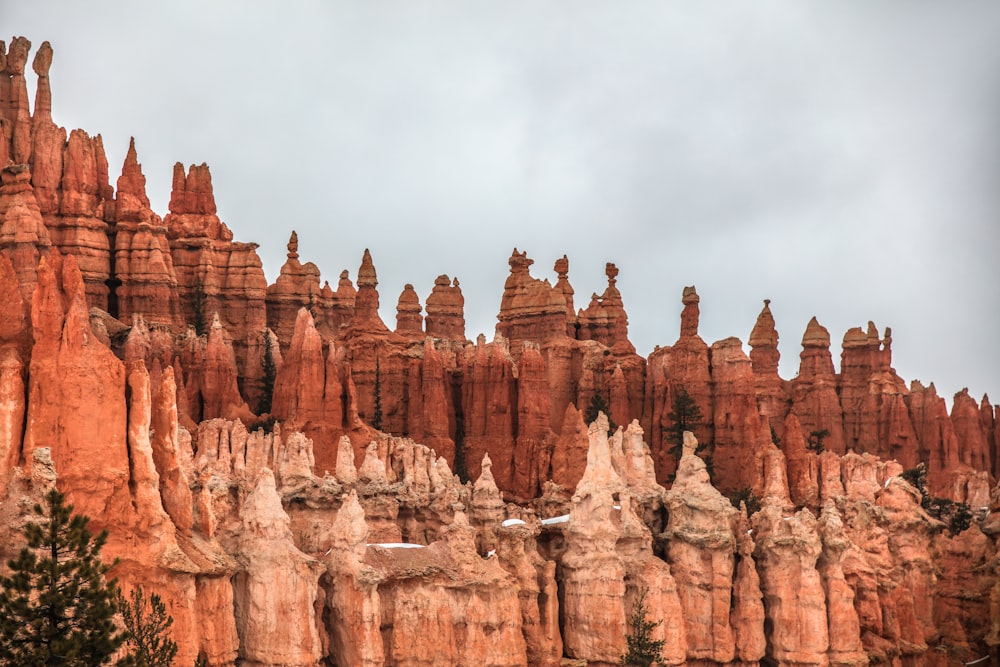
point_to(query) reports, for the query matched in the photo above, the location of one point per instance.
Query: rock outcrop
(277, 463)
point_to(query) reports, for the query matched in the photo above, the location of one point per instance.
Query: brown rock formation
(366, 316)
(569, 455)
(144, 267)
(685, 366)
(843, 624)
(803, 465)
(351, 592)
(604, 320)
(14, 103)
(787, 550)
(814, 390)
(738, 428)
(409, 317)
(296, 287)
(530, 309)
(276, 587)
(700, 546)
(215, 275)
(431, 413)
(939, 446)
(23, 235)
(764, 357)
(78, 227)
(533, 445)
(562, 284)
(12, 417)
(144, 420)
(967, 420)
(489, 401)
(47, 139)
(76, 393)
(446, 310)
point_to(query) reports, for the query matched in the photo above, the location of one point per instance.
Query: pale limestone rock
(276, 586)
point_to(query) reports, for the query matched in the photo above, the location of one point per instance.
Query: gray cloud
(840, 158)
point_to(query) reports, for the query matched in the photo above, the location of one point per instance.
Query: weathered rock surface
(136, 353)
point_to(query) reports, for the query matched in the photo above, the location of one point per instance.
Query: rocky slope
(280, 465)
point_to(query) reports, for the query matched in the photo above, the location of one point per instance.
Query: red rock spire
(131, 185)
(690, 314)
(366, 302)
(14, 104)
(409, 319)
(446, 310)
(815, 401)
(43, 90)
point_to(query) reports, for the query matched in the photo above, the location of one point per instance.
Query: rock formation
(277, 463)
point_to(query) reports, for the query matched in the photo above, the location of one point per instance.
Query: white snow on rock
(398, 545)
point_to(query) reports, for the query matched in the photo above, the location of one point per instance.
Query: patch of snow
(491, 553)
(889, 479)
(617, 507)
(512, 522)
(398, 545)
(556, 519)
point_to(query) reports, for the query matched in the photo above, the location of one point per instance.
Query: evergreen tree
(198, 299)
(641, 649)
(917, 477)
(377, 410)
(747, 497)
(268, 374)
(596, 406)
(961, 518)
(684, 415)
(147, 631)
(815, 440)
(958, 516)
(55, 606)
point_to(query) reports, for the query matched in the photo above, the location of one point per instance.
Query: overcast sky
(840, 158)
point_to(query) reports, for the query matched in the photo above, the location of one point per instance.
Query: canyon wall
(304, 485)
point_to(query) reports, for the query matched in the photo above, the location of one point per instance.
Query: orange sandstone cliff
(305, 484)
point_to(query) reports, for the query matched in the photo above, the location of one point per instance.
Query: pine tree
(147, 631)
(377, 411)
(917, 477)
(597, 405)
(55, 606)
(815, 440)
(198, 300)
(684, 415)
(268, 374)
(641, 649)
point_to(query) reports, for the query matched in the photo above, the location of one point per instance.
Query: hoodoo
(304, 485)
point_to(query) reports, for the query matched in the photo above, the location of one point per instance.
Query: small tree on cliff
(198, 301)
(815, 440)
(641, 649)
(147, 631)
(268, 374)
(377, 410)
(596, 406)
(684, 415)
(55, 606)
